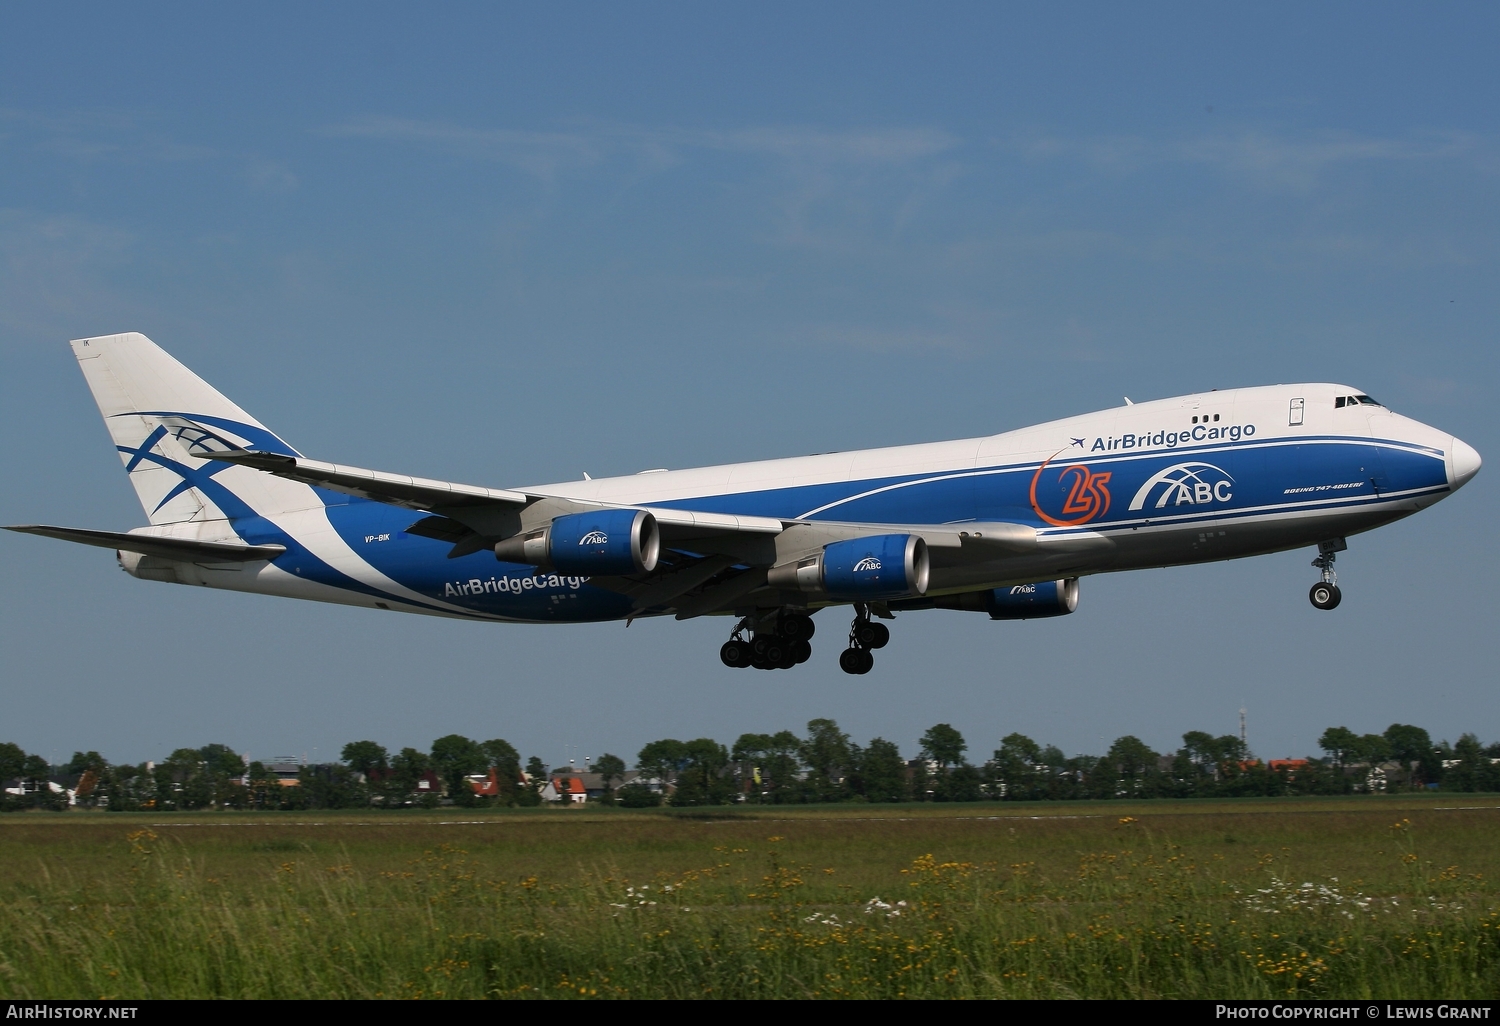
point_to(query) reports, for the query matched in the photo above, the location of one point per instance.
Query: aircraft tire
(801, 651)
(868, 634)
(735, 654)
(796, 627)
(1325, 596)
(775, 652)
(856, 661)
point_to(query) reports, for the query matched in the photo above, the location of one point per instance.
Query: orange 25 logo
(1087, 498)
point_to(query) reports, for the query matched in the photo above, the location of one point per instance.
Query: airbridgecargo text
(1172, 439)
(512, 585)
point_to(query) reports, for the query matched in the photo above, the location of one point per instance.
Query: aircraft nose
(1463, 463)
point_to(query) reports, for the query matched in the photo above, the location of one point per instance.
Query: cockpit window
(1353, 400)
(1366, 400)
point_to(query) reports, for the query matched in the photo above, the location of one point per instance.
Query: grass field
(1371, 897)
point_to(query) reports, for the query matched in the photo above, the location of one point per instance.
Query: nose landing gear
(864, 635)
(1325, 594)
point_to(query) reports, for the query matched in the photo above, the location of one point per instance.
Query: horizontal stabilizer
(182, 550)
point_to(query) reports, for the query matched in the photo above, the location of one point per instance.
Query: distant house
(569, 790)
(487, 785)
(286, 771)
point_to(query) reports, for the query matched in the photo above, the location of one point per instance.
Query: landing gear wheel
(775, 651)
(868, 634)
(735, 653)
(856, 660)
(1325, 596)
(801, 651)
(796, 627)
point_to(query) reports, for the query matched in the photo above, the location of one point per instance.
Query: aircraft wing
(394, 489)
(472, 517)
(710, 561)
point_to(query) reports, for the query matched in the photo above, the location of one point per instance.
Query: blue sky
(506, 245)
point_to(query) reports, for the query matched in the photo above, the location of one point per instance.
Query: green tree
(406, 770)
(827, 752)
(34, 770)
(662, 760)
(882, 772)
(82, 762)
(500, 754)
(1339, 743)
(1472, 765)
(221, 761)
(366, 757)
(1370, 748)
(1134, 762)
(775, 757)
(611, 768)
(1412, 747)
(12, 760)
(963, 783)
(782, 766)
(944, 746)
(1014, 766)
(454, 757)
(700, 779)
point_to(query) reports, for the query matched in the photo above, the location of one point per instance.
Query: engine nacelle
(882, 566)
(1020, 601)
(599, 543)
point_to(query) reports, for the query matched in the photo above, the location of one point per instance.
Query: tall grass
(761, 917)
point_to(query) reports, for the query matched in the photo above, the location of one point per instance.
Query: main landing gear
(1325, 594)
(864, 635)
(777, 643)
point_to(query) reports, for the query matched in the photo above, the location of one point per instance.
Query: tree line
(822, 765)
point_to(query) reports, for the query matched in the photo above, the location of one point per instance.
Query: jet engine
(1018, 602)
(598, 543)
(871, 568)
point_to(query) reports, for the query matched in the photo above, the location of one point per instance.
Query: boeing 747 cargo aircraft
(1004, 525)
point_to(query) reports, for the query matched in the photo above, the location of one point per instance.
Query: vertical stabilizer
(157, 412)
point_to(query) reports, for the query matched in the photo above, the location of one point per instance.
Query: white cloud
(92, 135)
(1262, 158)
(542, 154)
(545, 153)
(270, 176)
